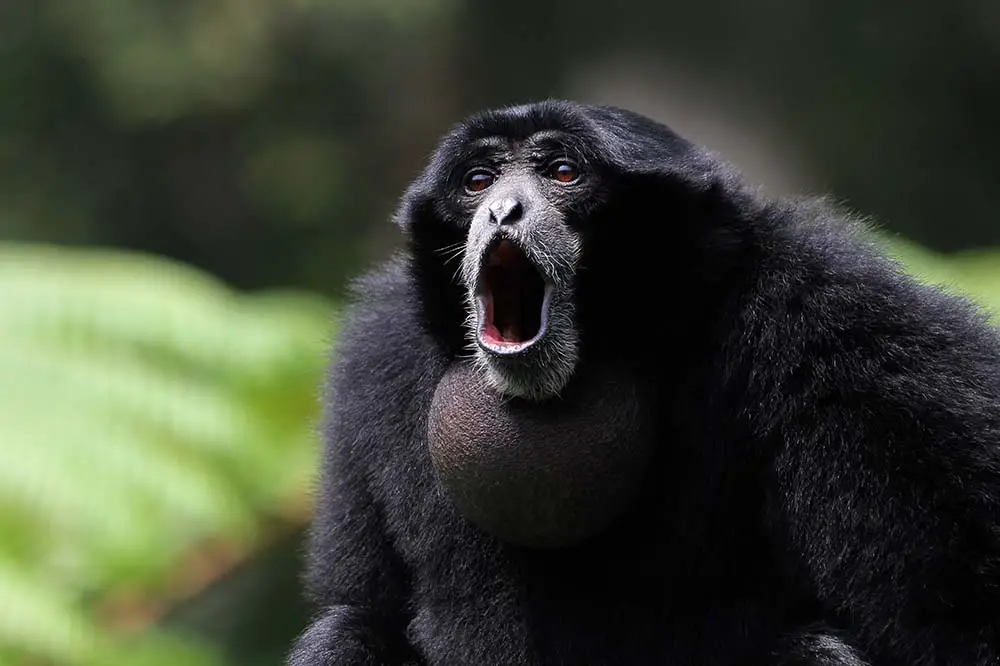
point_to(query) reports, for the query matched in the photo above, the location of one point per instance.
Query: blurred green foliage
(974, 274)
(158, 429)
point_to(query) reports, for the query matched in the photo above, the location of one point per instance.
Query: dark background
(267, 140)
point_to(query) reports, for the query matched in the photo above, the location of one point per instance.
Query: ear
(415, 203)
(419, 204)
(418, 207)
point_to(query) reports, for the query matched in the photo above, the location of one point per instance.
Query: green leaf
(974, 274)
(148, 410)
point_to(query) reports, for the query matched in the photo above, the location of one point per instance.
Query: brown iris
(478, 180)
(564, 172)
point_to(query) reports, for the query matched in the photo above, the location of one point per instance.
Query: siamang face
(521, 201)
(509, 203)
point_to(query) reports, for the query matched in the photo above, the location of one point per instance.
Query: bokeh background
(187, 185)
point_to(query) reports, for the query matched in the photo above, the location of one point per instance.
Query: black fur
(826, 488)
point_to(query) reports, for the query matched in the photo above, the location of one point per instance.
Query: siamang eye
(564, 171)
(478, 180)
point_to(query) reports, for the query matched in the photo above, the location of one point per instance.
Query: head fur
(576, 235)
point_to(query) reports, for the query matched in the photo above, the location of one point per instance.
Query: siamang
(612, 405)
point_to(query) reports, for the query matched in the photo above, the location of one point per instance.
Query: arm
(354, 574)
(356, 580)
(354, 577)
(888, 473)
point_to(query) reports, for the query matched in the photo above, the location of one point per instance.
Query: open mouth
(513, 300)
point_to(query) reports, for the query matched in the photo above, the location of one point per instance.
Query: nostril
(506, 211)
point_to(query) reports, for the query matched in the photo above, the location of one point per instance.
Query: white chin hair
(538, 379)
(540, 372)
